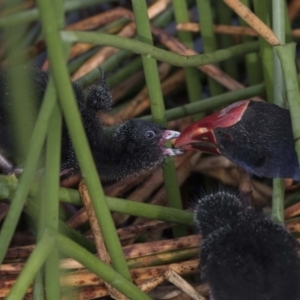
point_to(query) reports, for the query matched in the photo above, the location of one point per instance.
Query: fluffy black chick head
(216, 210)
(134, 146)
(246, 256)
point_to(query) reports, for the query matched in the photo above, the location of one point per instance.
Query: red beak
(200, 135)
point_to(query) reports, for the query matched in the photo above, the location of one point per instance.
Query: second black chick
(119, 151)
(244, 255)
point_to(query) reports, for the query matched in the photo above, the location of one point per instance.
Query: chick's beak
(169, 135)
(200, 135)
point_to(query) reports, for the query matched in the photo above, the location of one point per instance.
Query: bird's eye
(227, 136)
(149, 135)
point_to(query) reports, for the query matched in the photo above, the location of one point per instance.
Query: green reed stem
(78, 137)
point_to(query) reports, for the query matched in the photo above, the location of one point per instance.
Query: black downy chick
(244, 255)
(123, 150)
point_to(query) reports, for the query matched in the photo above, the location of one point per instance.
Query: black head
(135, 146)
(217, 210)
(261, 142)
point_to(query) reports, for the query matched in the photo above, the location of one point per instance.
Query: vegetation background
(172, 62)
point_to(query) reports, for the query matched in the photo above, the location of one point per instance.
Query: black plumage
(244, 255)
(256, 136)
(118, 151)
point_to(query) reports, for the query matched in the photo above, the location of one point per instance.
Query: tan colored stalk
(293, 226)
(98, 237)
(128, 31)
(183, 285)
(160, 198)
(141, 101)
(103, 54)
(143, 249)
(142, 193)
(227, 29)
(293, 9)
(122, 89)
(84, 278)
(221, 29)
(21, 7)
(210, 70)
(19, 252)
(88, 24)
(114, 190)
(130, 252)
(133, 231)
(96, 285)
(245, 186)
(202, 289)
(253, 21)
(152, 283)
(292, 211)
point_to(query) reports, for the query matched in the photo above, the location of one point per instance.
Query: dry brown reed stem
(142, 193)
(292, 211)
(125, 86)
(245, 186)
(208, 164)
(160, 198)
(128, 31)
(19, 252)
(141, 101)
(9, 271)
(21, 7)
(183, 285)
(103, 54)
(89, 24)
(143, 249)
(253, 21)
(163, 258)
(212, 162)
(220, 162)
(293, 9)
(227, 29)
(209, 69)
(165, 291)
(6, 282)
(151, 284)
(84, 278)
(98, 237)
(5, 291)
(262, 193)
(130, 252)
(92, 292)
(293, 226)
(135, 230)
(221, 29)
(123, 186)
(100, 19)
(113, 191)
(116, 13)
(202, 289)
